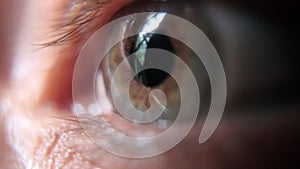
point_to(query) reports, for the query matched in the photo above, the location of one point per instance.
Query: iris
(150, 77)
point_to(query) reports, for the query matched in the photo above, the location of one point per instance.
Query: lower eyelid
(63, 146)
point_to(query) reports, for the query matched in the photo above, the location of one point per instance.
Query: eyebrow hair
(76, 16)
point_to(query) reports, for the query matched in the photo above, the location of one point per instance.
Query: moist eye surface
(150, 77)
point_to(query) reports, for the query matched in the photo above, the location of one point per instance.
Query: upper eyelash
(79, 14)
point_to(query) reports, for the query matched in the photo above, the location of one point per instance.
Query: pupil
(151, 77)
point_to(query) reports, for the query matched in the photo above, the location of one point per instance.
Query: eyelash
(79, 15)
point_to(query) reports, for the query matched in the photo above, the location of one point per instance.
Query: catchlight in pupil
(151, 77)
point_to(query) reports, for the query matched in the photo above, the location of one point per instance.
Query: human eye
(253, 43)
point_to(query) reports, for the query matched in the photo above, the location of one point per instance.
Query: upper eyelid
(75, 18)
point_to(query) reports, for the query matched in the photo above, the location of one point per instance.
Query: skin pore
(38, 129)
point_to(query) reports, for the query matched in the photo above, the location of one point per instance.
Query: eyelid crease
(77, 16)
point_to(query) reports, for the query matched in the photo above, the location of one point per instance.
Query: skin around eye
(37, 131)
(36, 78)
